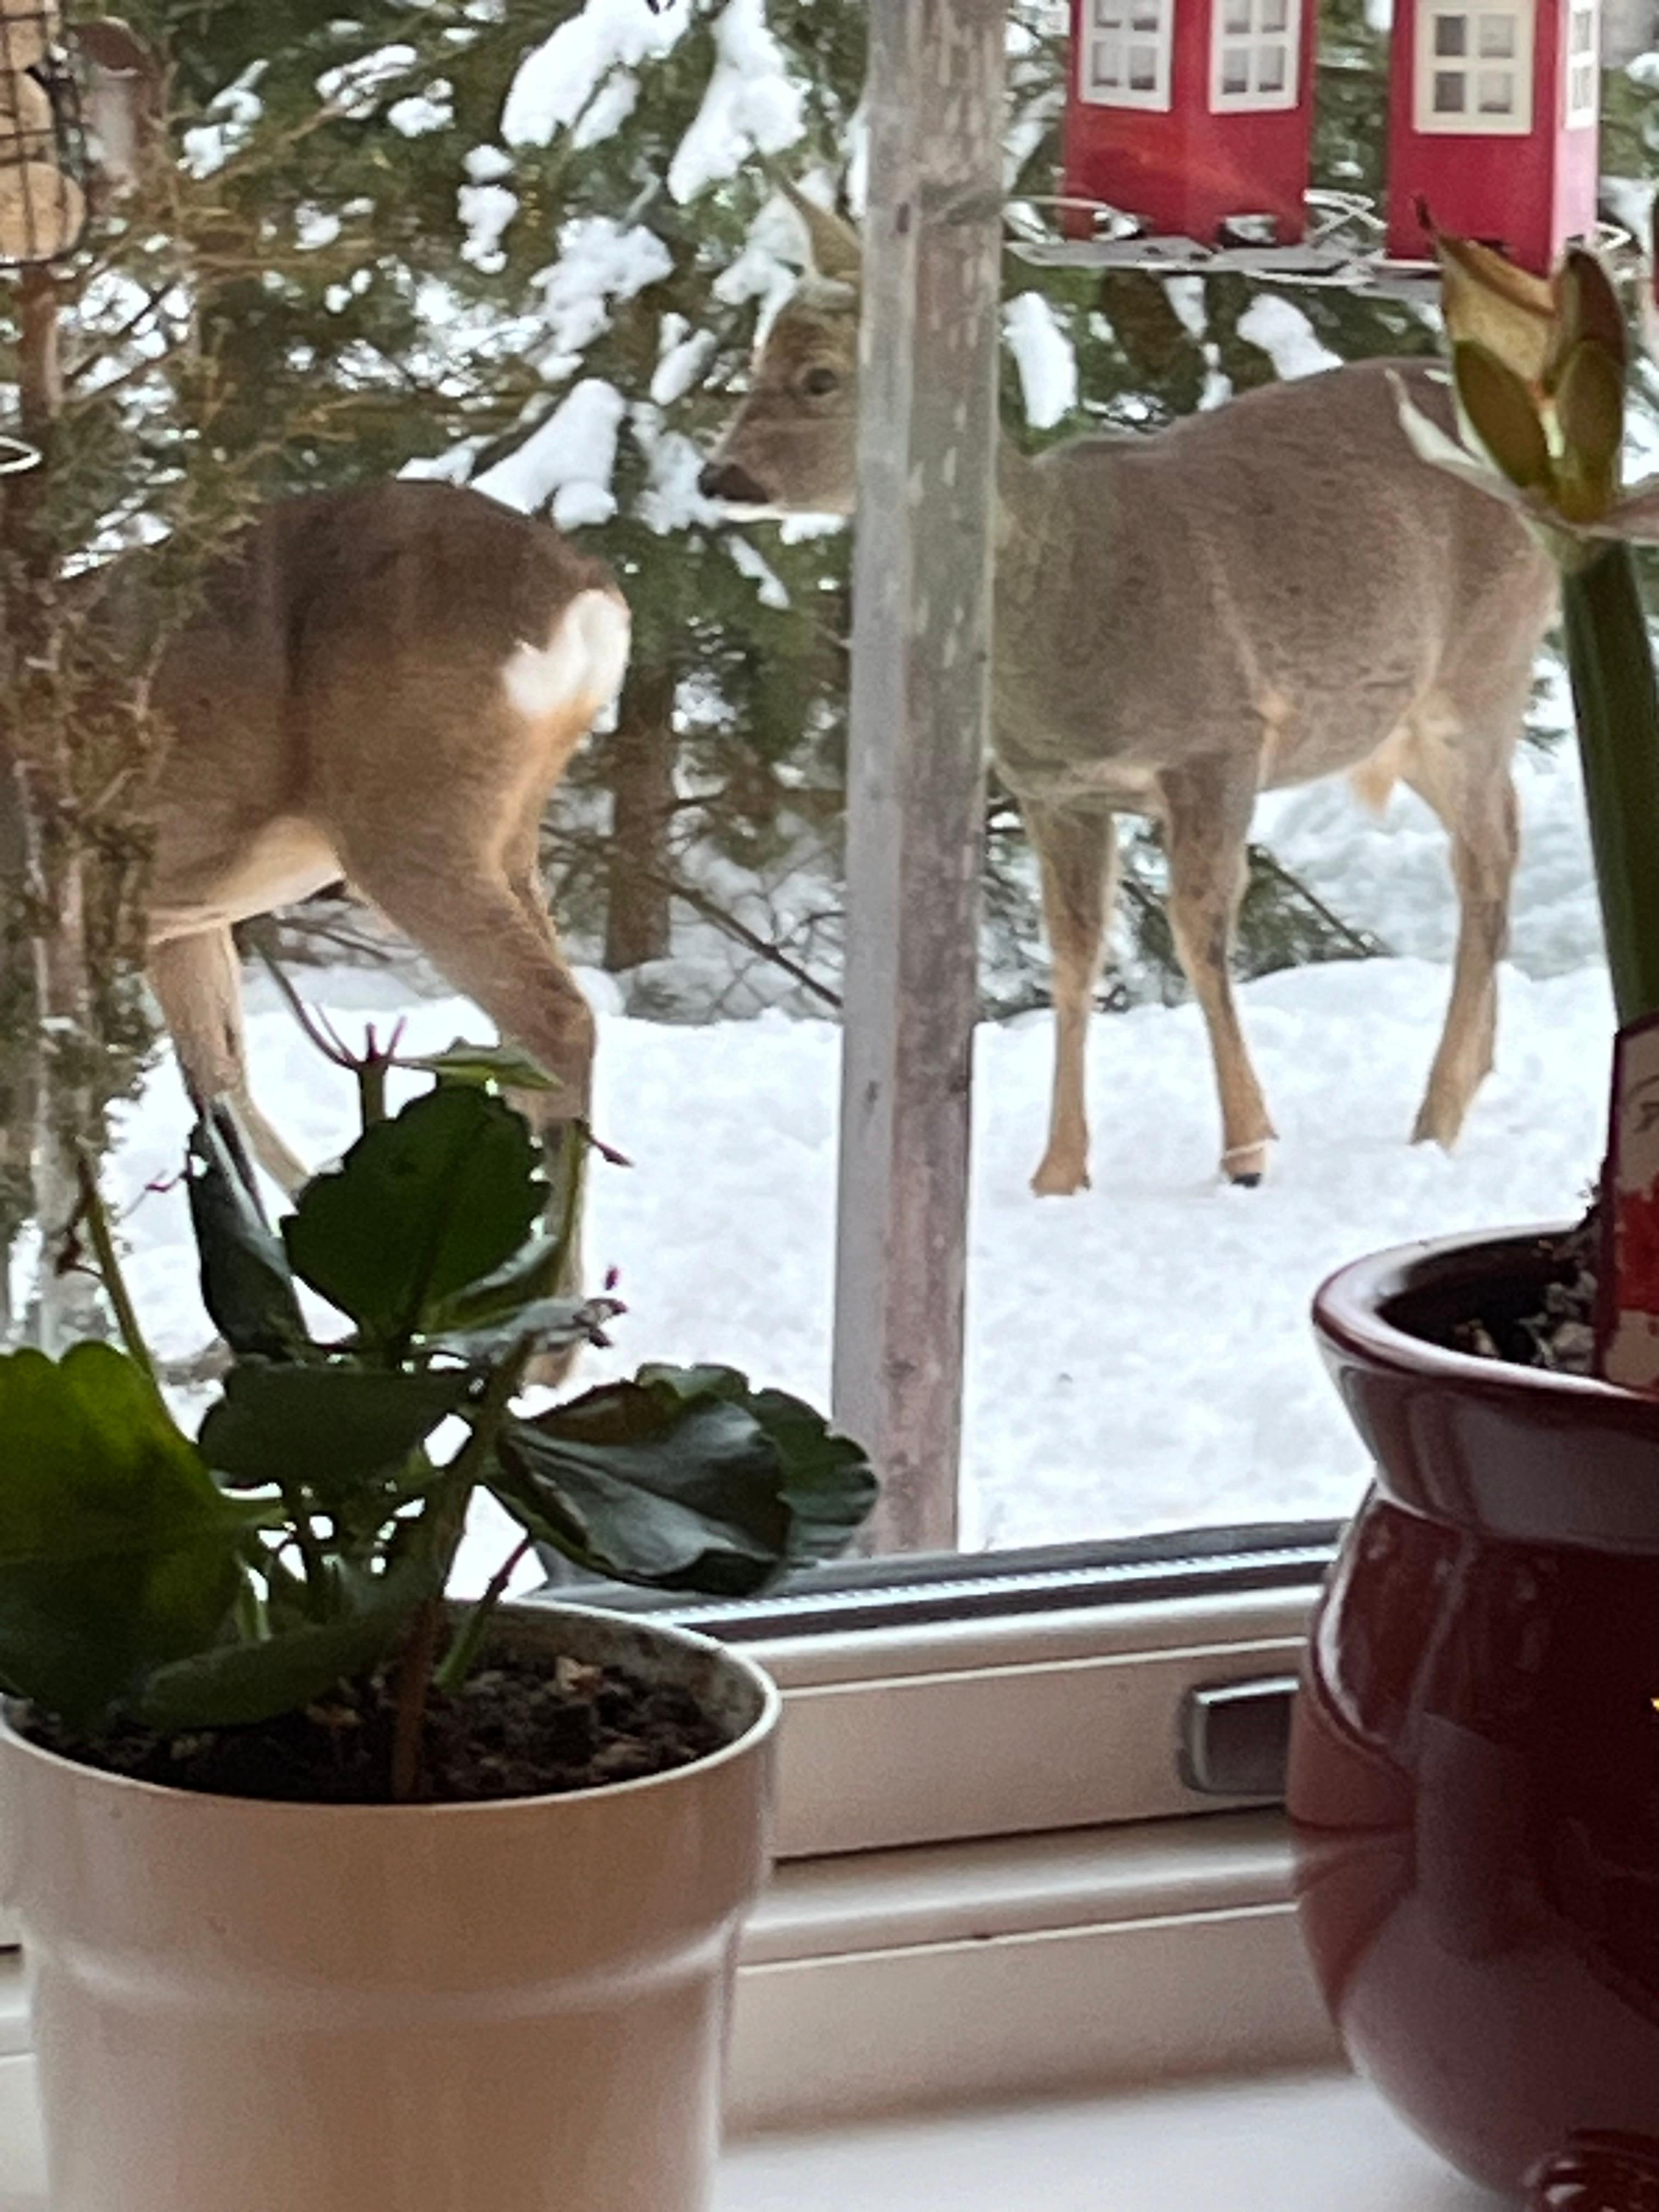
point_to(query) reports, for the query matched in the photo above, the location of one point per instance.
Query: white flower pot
(248, 2006)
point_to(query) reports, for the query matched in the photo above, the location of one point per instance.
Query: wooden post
(918, 743)
(43, 770)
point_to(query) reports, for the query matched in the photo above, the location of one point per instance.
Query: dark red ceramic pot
(1474, 1764)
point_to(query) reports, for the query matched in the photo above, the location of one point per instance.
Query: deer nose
(725, 480)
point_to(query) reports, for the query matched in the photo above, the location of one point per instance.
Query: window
(1474, 68)
(1125, 53)
(1254, 55)
(1583, 70)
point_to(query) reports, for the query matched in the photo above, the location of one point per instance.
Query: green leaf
(246, 1284)
(502, 1064)
(673, 1494)
(119, 1553)
(238, 1683)
(556, 1323)
(827, 1480)
(420, 1207)
(334, 1428)
(539, 1271)
(1500, 409)
(1589, 410)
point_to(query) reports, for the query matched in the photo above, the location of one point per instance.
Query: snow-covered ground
(1139, 1356)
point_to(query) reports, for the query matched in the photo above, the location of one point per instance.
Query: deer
(381, 686)
(1251, 597)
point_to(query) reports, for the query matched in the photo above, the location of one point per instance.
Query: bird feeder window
(1475, 69)
(1254, 55)
(42, 205)
(1584, 64)
(1125, 58)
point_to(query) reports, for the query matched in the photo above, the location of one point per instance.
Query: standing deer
(1247, 599)
(382, 684)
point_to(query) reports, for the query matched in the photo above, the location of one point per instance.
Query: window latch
(1235, 1737)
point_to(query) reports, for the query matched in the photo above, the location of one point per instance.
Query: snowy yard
(1138, 1356)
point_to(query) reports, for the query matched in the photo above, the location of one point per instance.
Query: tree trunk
(640, 775)
(43, 771)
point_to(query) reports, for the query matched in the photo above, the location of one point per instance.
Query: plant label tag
(1627, 1316)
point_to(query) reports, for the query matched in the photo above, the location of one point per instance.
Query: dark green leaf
(243, 1682)
(504, 1063)
(556, 1323)
(675, 1495)
(542, 1271)
(246, 1284)
(331, 1428)
(118, 1551)
(420, 1207)
(827, 1480)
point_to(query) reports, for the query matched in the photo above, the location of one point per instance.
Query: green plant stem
(311, 1557)
(462, 1655)
(1610, 661)
(96, 1217)
(371, 1088)
(448, 1509)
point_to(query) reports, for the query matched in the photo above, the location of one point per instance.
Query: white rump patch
(581, 666)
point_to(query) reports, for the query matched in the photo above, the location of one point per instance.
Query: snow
(751, 104)
(1186, 295)
(1044, 357)
(750, 561)
(683, 355)
(485, 211)
(568, 460)
(555, 84)
(1138, 1355)
(599, 261)
(234, 113)
(424, 112)
(1286, 335)
(355, 86)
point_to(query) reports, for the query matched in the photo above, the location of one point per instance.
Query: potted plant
(1475, 1767)
(333, 1895)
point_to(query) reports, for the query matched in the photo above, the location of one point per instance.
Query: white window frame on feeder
(1112, 32)
(1250, 41)
(1479, 63)
(1581, 66)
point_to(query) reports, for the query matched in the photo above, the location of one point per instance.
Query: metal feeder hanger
(43, 166)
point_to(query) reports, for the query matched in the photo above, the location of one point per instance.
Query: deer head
(794, 443)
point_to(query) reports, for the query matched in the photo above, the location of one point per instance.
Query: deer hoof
(1059, 1179)
(1244, 1165)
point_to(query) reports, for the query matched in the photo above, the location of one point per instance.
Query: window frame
(1582, 112)
(1471, 122)
(1255, 40)
(1159, 97)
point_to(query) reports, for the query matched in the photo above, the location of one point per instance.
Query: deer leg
(198, 983)
(1206, 819)
(470, 923)
(1077, 850)
(493, 940)
(1482, 816)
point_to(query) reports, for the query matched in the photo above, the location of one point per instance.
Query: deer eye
(819, 383)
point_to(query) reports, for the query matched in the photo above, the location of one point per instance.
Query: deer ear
(835, 248)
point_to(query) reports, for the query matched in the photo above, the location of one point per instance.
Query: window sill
(1287, 2143)
(1292, 2143)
